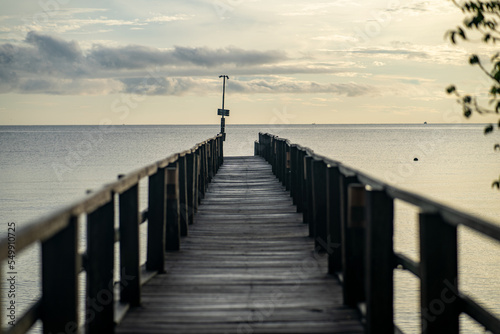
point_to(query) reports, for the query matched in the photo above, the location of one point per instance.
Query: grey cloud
(158, 86)
(134, 56)
(50, 65)
(180, 86)
(238, 57)
(44, 54)
(54, 47)
(408, 53)
(285, 86)
(128, 57)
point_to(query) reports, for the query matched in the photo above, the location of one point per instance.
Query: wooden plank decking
(247, 266)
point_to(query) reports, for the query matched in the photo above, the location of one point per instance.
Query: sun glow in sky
(158, 62)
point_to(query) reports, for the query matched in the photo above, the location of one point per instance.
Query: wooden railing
(351, 217)
(176, 186)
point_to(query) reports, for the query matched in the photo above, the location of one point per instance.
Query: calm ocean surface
(47, 167)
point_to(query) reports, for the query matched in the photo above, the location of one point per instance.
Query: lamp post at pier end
(223, 112)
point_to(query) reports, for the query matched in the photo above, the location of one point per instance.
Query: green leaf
(467, 99)
(494, 90)
(467, 112)
(495, 184)
(497, 76)
(473, 60)
(452, 37)
(450, 89)
(488, 129)
(461, 32)
(496, 147)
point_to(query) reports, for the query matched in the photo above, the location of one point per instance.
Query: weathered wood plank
(248, 266)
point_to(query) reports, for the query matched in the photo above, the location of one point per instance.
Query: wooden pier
(233, 249)
(247, 266)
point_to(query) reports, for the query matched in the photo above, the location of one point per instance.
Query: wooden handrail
(58, 234)
(312, 176)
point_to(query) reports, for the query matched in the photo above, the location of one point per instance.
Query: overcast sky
(149, 62)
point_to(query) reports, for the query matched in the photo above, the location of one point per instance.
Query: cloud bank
(45, 64)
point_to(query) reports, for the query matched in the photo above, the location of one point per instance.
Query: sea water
(44, 168)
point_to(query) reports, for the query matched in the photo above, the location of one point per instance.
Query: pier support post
(173, 232)
(293, 173)
(334, 220)
(353, 241)
(156, 221)
(308, 193)
(319, 210)
(210, 166)
(129, 246)
(203, 171)
(190, 184)
(100, 266)
(287, 165)
(197, 174)
(301, 187)
(183, 201)
(60, 268)
(379, 262)
(438, 275)
(221, 151)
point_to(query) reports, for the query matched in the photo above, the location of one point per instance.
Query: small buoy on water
(415, 159)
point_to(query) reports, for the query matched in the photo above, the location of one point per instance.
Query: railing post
(300, 181)
(334, 220)
(183, 206)
(100, 265)
(268, 148)
(319, 197)
(438, 275)
(190, 184)
(308, 192)
(129, 246)
(277, 156)
(173, 231)
(203, 171)
(60, 268)
(221, 151)
(293, 173)
(197, 174)
(262, 146)
(266, 141)
(216, 156)
(379, 263)
(288, 165)
(210, 170)
(274, 155)
(353, 242)
(156, 221)
(282, 161)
